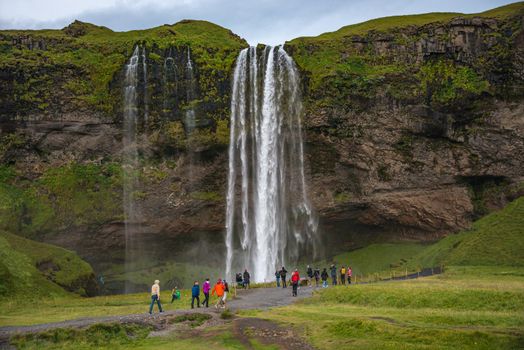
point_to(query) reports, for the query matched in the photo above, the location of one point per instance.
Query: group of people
(345, 273)
(220, 289)
(243, 279)
(281, 274)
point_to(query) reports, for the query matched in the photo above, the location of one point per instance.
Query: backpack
(343, 271)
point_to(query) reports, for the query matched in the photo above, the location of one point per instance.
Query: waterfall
(130, 160)
(274, 223)
(190, 95)
(144, 76)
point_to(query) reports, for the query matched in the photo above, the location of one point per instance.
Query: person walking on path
(324, 277)
(295, 279)
(247, 278)
(283, 273)
(277, 276)
(343, 275)
(316, 273)
(175, 294)
(218, 289)
(155, 297)
(333, 274)
(309, 273)
(195, 294)
(206, 287)
(226, 291)
(349, 274)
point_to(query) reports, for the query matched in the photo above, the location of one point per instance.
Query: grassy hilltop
(90, 57)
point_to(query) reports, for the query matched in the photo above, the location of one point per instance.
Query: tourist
(240, 282)
(349, 274)
(195, 294)
(316, 273)
(247, 277)
(343, 275)
(333, 274)
(324, 277)
(218, 289)
(175, 294)
(155, 297)
(277, 276)
(226, 291)
(283, 273)
(295, 280)
(309, 273)
(206, 287)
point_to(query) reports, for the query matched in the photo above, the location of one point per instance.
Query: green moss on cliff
(348, 67)
(62, 197)
(89, 57)
(444, 82)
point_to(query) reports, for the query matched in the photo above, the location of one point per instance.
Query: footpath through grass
(466, 308)
(20, 312)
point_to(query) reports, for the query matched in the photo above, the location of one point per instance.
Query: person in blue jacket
(195, 293)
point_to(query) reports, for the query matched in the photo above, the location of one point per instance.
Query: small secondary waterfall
(190, 116)
(190, 95)
(130, 161)
(272, 221)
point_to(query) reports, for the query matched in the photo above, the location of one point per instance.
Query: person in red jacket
(295, 280)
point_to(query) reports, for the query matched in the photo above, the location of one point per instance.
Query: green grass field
(466, 308)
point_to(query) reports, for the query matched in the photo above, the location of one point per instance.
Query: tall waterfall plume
(130, 161)
(269, 219)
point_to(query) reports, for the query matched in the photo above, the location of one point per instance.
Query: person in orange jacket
(295, 279)
(218, 289)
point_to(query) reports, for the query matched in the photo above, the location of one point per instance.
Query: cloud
(266, 21)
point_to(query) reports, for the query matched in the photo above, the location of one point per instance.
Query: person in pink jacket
(205, 289)
(349, 273)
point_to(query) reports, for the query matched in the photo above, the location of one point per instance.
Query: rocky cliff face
(416, 130)
(414, 127)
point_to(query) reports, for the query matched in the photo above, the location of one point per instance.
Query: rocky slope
(414, 127)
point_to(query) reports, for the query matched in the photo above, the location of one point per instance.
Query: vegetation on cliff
(81, 62)
(62, 197)
(395, 56)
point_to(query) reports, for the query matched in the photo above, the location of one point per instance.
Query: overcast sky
(262, 21)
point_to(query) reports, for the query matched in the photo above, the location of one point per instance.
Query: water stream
(269, 219)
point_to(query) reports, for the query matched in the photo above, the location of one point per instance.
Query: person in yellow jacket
(343, 275)
(155, 297)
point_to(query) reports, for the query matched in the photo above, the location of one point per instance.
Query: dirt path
(258, 298)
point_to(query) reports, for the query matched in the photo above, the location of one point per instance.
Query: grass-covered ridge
(494, 240)
(34, 270)
(91, 56)
(377, 57)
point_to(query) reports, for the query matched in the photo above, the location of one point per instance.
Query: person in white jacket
(155, 297)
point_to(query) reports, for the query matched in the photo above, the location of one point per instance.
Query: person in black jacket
(333, 274)
(324, 277)
(283, 273)
(316, 274)
(247, 278)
